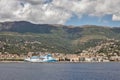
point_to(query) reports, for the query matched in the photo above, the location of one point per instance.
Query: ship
(47, 58)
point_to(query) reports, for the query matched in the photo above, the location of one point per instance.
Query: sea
(60, 71)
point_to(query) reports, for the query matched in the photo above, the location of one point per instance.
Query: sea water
(60, 71)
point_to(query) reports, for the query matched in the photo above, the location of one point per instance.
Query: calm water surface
(59, 71)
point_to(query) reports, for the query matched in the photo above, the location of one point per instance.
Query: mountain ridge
(53, 37)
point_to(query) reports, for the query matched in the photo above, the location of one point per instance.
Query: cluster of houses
(11, 57)
(82, 57)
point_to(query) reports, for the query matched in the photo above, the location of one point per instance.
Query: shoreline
(53, 62)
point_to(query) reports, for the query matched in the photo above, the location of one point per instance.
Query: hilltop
(22, 37)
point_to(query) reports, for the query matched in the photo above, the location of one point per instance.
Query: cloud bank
(56, 11)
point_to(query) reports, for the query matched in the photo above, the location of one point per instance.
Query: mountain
(23, 37)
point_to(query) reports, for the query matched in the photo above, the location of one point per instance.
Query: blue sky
(66, 12)
(93, 20)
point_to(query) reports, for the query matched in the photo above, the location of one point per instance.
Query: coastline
(54, 62)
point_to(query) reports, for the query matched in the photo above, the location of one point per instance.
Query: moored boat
(47, 58)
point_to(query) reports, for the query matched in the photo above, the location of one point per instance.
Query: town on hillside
(104, 52)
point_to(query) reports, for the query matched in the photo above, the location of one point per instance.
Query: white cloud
(56, 11)
(116, 17)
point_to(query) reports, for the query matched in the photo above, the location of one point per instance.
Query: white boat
(47, 58)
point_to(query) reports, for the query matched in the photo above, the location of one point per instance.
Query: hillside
(23, 37)
(107, 48)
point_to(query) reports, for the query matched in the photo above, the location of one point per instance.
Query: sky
(67, 12)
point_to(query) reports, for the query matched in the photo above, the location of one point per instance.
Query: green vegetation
(23, 37)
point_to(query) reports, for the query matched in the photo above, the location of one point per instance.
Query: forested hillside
(23, 37)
